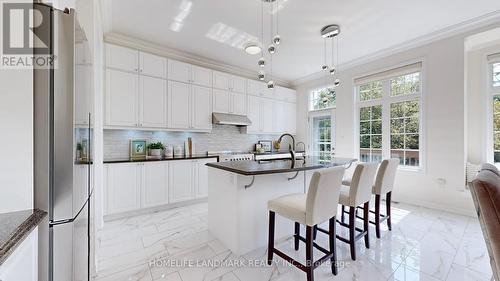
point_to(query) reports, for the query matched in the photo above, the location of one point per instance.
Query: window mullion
(386, 119)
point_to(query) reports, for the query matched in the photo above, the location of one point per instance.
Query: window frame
(386, 102)
(309, 100)
(321, 113)
(492, 91)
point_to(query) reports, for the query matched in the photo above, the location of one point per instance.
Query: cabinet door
(121, 98)
(83, 91)
(280, 120)
(201, 76)
(181, 180)
(238, 84)
(123, 187)
(221, 101)
(267, 115)
(280, 93)
(254, 114)
(291, 115)
(254, 88)
(153, 102)
(201, 177)
(122, 58)
(179, 71)
(154, 189)
(202, 108)
(221, 80)
(22, 264)
(239, 102)
(179, 105)
(152, 65)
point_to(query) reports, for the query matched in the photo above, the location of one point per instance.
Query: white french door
(322, 134)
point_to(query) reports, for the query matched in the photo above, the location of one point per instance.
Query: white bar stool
(317, 206)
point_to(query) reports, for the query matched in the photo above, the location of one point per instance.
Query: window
(390, 115)
(494, 100)
(322, 98)
(370, 133)
(322, 137)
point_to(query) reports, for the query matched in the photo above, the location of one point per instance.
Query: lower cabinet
(22, 264)
(133, 186)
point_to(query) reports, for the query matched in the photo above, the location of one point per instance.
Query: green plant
(156, 145)
(79, 147)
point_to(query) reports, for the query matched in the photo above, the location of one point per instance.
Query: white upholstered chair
(317, 206)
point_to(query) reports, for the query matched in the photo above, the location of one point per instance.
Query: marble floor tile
(175, 245)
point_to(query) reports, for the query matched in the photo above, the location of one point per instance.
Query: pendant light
(331, 32)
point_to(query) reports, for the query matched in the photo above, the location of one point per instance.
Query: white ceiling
(209, 28)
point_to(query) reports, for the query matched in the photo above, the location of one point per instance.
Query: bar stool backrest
(323, 195)
(360, 190)
(385, 176)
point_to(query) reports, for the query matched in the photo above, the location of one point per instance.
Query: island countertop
(254, 168)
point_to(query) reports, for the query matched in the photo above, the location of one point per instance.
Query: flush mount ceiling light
(331, 32)
(252, 49)
(274, 41)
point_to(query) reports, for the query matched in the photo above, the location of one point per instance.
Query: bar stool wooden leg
(315, 232)
(388, 207)
(297, 234)
(366, 223)
(352, 232)
(309, 253)
(342, 216)
(333, 246)
(377, 215)
(270, 248)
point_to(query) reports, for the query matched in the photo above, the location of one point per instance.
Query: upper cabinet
(152, 102)
(179, 71)
(187, 73)
(122, 58)
(121, 98)
(222, 80)
(238, 84)
(255, 88)
(190, 107)
(152, 65)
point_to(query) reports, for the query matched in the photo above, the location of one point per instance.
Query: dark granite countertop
(277, 152)
(253, 168)
(128, 160)
(15, 227)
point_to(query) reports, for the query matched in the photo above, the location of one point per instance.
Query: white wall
(444, 122)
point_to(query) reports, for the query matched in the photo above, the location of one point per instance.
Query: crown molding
(160, 50)
(466, 26)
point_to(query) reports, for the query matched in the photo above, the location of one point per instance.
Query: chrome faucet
(290, 147)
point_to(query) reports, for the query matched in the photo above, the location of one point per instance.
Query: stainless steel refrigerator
(63, 169)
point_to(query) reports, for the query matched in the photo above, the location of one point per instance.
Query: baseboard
(155, 209)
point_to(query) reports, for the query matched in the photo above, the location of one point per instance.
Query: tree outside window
(322, 98)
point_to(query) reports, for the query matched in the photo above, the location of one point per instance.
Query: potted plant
(155, 148)
(79, 148)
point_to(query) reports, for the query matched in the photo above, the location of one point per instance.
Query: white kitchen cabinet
(280, 119)
(255, 88)
(179, 105)
(83, 94)
(152, 65)
(181, 180)
(152, 102)
(201, 108)
(22, 264)
(254, 114)
(190, 107)
(121, 98)
(238, 103)
(201, 76)
(201, 177)
(154, 186)
(238, 84)
(122, 58)
(267, 115)
(123, 181)
(221, 101)
(221, 80)
(179, 71)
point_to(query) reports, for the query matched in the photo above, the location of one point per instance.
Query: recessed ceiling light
(252, 49)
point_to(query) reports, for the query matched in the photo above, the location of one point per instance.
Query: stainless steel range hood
(230, 119)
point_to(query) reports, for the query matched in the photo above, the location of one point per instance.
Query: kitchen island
(238, 193)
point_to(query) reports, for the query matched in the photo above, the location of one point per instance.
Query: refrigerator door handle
(70, 220)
